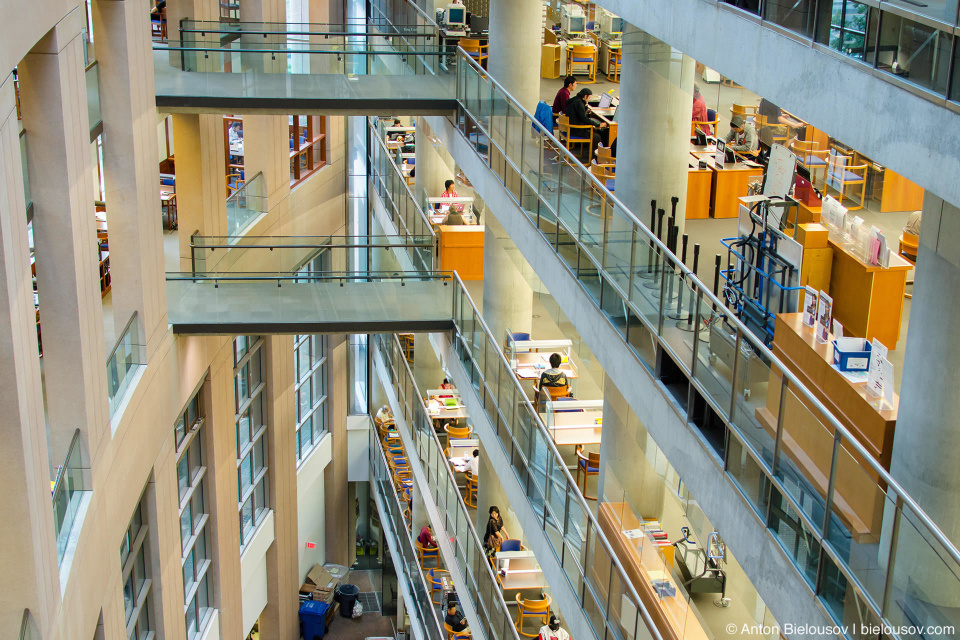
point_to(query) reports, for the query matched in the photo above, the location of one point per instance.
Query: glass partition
(657, 305)
(245, 205)
(123, 361)
(73, 480)
(93, 94)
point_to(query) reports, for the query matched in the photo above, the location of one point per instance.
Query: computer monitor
(611, 24)
(479, 24)
(615, 112)
(455, 15)
(701, 137)
(729, 155)
(605, 101)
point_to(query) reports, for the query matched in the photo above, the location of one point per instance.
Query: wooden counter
(730, 183)
(461, 250)
(859, 501)
(899, 194)
(699, 189)
(673, 616)
(867, 299)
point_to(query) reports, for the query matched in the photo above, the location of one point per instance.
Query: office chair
(511, 545)
(538, 610)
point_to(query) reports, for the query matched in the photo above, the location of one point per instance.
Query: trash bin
(312, 614)
(347, 597)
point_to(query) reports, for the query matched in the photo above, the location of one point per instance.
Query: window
(308, 146)
(135, 572)
(251, 427)
(195, 556)
(310, 359)
(845, 26)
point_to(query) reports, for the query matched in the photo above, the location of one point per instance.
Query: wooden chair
(472, 494)
(568, 131)
(457, 433)
(909, 245)
(840, 174)
(475, 50)
(588, 465)
(605, 173)
(811, 158)
(234, 182)
(435, 583)
(745, 110)
(454, 635)
(538, 610)
(585, 55)
(605, 156)
(552, 394)
(424, 554)
(613, 66)
(700, 123)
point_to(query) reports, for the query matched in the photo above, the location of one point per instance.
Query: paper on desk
(527, 372)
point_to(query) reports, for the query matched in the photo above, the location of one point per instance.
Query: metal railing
(72, 482)
(482, 587)
(126, 355)
(842, 502)
(408, 561)
(289, 254)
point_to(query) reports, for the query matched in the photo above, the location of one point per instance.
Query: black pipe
(660, 214)
(671, 236)
(716, 275)
(673, 206)
(683, 250)
(696, 263)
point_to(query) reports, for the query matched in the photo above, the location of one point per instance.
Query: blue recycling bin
(312, 614)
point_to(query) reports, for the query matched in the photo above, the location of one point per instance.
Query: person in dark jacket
(576, 111)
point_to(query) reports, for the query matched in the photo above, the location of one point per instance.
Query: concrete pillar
(515, 36)
(491, 493)
(339, 544)
(656, 105)
(431, 170)
(279, 617)
(427, 370)
(222, 487)
(926, 447)
(30, 575)
(627, 455)
(52, 86)
(201, 179)
(131, 172)
(206, 10)
(507, 296)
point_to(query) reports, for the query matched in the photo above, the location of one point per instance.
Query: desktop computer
(609, 23)
(479, 24)
(455, 15)
(572, 20)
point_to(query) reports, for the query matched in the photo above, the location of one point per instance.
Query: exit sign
(311, 545)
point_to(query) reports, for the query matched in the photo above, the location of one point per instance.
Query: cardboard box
(321, 578)
(812, 235)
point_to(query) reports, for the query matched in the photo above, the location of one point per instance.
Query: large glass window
(310, 358)
(846, 26)
(251, 426)
(195, 557)
(135, 572)
(915, 52)
(796, 15)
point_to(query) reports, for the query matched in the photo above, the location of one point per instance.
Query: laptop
(605, 101)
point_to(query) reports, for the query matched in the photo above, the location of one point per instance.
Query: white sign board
(778, 177)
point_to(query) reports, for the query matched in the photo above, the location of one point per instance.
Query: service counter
(461, 250)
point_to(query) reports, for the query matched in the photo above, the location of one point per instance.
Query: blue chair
(411, 161)
(511, 545)
(841, 173)
(436, 584)
(567, 410)
(811, 158)
(167, 182)
(588, 465)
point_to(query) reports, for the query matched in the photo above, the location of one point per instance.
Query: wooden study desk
(859, 499)
(530, 365)
(461, 250)
(606, 115)
(867, 299)
(699, 189)
(521, 568)
(896, 193)
(575, 427)
(731, 181)
(644, 563)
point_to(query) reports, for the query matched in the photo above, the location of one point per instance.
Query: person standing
(700, 111)
(495, 533)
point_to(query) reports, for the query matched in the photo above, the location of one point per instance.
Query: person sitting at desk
(235, 133)
(775, 123)
(450, 192)
(384, 415)
(454, 618)
(563, 95)
(552, 631)
(426, 538)
(553, 377)
(576, 110)
(473, 464)
(700, 111)
(454, 217)
(742, 136)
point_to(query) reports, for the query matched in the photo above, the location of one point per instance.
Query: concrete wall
(253, 572)
(311, 526)
(912, 135)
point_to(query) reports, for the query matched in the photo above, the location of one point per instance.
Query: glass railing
(291, 254)
(421, 608)
(482, 587)
(356, 302)
(300, 48)
(390, 183)
(73, 480)
(245, 205)
(93, 95)
(841, 500)
(123, 361)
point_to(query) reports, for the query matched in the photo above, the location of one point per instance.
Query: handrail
(344, 276)
(688, 275)
(627, 584)
(420, 51)
(24, 625)
(227, 28)
(432, 435)
(74, 442)
(319, 245)
(120, 337)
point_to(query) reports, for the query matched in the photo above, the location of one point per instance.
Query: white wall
(311, 521)
(253, 572)
(358, 448)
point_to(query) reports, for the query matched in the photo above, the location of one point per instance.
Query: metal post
(892, 556)
(733, 387)
(716, 275)
(831, 485)
(784, 389)
(673, 206)
(696, 262)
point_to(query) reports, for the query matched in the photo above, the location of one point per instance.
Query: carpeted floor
(369, 625)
